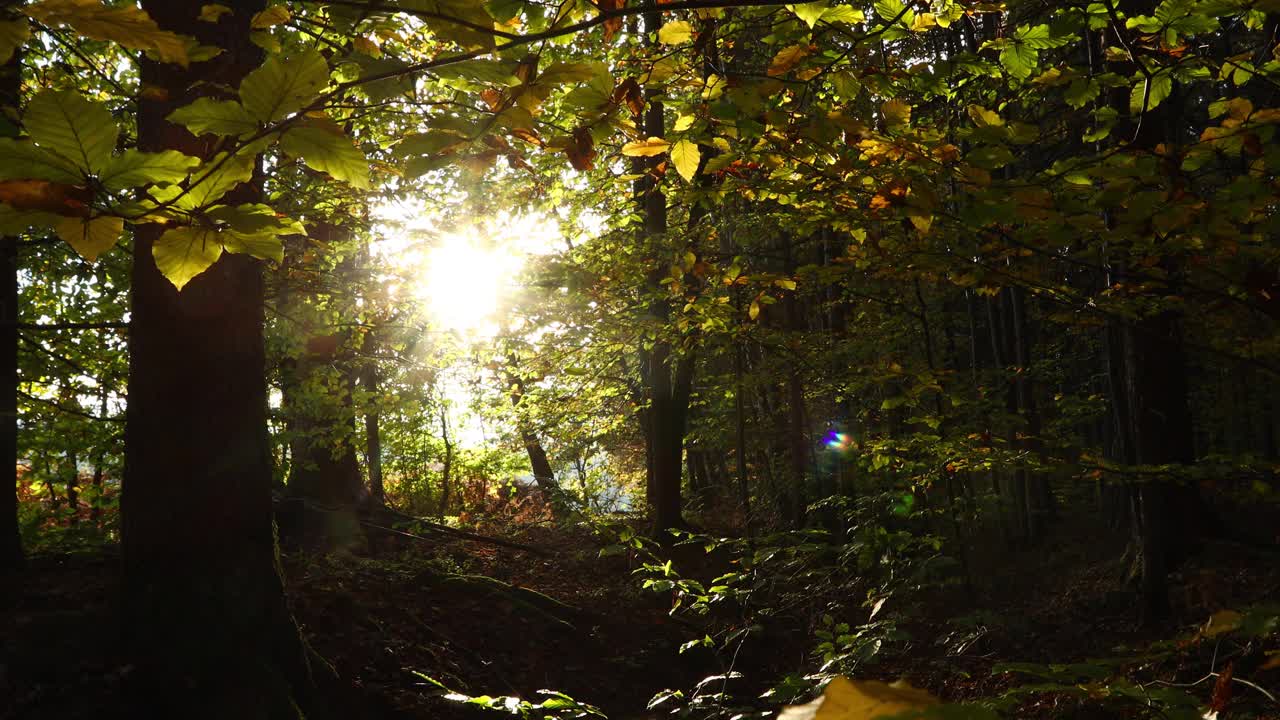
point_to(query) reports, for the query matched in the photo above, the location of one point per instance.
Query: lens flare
(839, 442)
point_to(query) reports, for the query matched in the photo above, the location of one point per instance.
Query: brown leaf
(59, 198)
(612, 25)
(1222, 689)
(528, 136)
(526, 68)
(492, 98)
(629, 93)
(582, 150)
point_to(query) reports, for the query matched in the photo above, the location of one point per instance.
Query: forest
(634, 359)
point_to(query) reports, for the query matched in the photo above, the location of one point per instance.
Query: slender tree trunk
(11, 556)
(210, 632)
(740, 439)
(373, 437)
(539, 463)
(446, 471)
(99, 459)
(73, 488)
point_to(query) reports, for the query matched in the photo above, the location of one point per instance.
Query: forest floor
(589, 631)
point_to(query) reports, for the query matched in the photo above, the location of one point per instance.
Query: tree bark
(11, 556)
(668, 374)
(373, 437)
(210, 632)
(543, 475)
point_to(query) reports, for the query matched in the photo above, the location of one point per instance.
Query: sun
(467, 277)
(464, 277)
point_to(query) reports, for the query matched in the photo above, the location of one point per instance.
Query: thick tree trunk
(211, 634)
(668, 377)
(1170, 515)
(324, 473)
(11, 556)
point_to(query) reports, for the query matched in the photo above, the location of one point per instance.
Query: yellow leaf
(686, 156)
(272, 16)
(896, 112)
(183, 253)
(645, 148)
(786, 59)
(1221, 623)
(1273, 661)
(923, 21)
(13, 34)
(90, 236)
(675, 32)
(127, 25)
(366, 46)
(845, 699)
(753, 312)
(983, 117)
(785, 283)
(212, 13)
(1266, 115)
(1239, 108)
(921, 222)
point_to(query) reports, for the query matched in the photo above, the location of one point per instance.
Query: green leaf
(254, 218)
(135, 168)
(90, 236)
(125, 24)
(675, 33)
(1081, 92)
(1039, 37)
(887, 10)
(896, 112)
(214, 117)
(264, 246)
(810, 12)
(328, 152)
(21, 160)
(444, 24)
(13, 35)
(283, 86)
(14, 222)
(272, 16)
(1019, 60)
(1142, 100)
(183, 253)
(216, 178)
(843, 14)
(81, 131)
(484, 72)
(253, 229)
(428, 143)
(560, 73)
(685, 155)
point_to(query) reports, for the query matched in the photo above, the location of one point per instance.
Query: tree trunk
(324, 473)
(211, 634)
(668, 376)
(73, 488)
(11, 557)
(543, 475)
(447, 470)
(373, 437)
